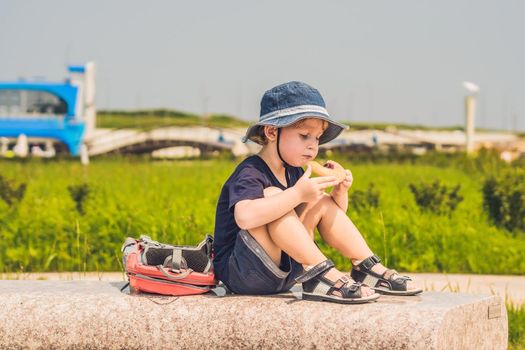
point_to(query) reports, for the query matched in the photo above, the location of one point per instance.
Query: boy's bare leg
(338, 231)
(336, 228)
(289, 234)
(296, 244)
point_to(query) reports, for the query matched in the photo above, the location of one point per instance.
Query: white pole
(84, 155)
(90, 112)
(470, 111)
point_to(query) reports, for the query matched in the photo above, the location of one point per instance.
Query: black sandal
(317, 287)
(389, 283)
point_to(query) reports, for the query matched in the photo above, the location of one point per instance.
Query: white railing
(106, 142)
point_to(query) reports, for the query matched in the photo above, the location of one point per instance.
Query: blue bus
(63, 112)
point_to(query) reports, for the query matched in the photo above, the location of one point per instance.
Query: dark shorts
(252, 271)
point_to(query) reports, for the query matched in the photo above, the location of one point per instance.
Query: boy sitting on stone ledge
(269, 208)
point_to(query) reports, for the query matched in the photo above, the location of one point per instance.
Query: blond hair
(260, 137)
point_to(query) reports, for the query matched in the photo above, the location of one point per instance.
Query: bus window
(31, 103)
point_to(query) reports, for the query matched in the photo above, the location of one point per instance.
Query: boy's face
(300, 143)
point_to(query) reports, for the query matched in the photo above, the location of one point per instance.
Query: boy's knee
(271, 191)
(327, 200)
(325, 205)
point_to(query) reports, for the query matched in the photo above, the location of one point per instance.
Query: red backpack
(154, 267)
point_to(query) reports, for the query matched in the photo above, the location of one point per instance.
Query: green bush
(365, 200)
(504, 199)
(436, 198)
(79, 194)
(10, 193)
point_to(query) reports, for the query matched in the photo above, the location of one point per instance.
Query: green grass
(358, 125)
(516, 315)
(418, 241)
(152, 119)
(175, 202)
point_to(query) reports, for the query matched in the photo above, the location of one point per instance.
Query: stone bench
(96, 314)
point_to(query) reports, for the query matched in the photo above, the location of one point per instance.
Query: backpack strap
(129, 241)
(209, 252)
(176, 259)
(174, 278)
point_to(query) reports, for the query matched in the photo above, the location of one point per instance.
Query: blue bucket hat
(290, 102)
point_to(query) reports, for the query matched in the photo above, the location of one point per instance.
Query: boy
(269, 208)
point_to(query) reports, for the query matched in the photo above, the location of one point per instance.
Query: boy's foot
(317, 285)
(385, 281)
(381, 269)
(334, 274)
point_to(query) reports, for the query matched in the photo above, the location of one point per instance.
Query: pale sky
(377, 61)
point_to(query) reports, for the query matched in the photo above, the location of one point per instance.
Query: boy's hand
(312, 189)
(347, 183)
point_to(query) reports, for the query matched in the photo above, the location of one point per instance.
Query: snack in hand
(319, 170)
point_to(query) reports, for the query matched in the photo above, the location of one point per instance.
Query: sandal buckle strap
(369, 262)
(355, 286)
(399, 279)
(345, 279)
(314, 271)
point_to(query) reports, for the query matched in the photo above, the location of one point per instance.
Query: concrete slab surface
(97, 315)
(511, 288)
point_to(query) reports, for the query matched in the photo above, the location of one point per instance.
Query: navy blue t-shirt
(248, 181)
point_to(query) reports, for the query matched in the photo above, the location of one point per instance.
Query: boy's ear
(270, 132)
